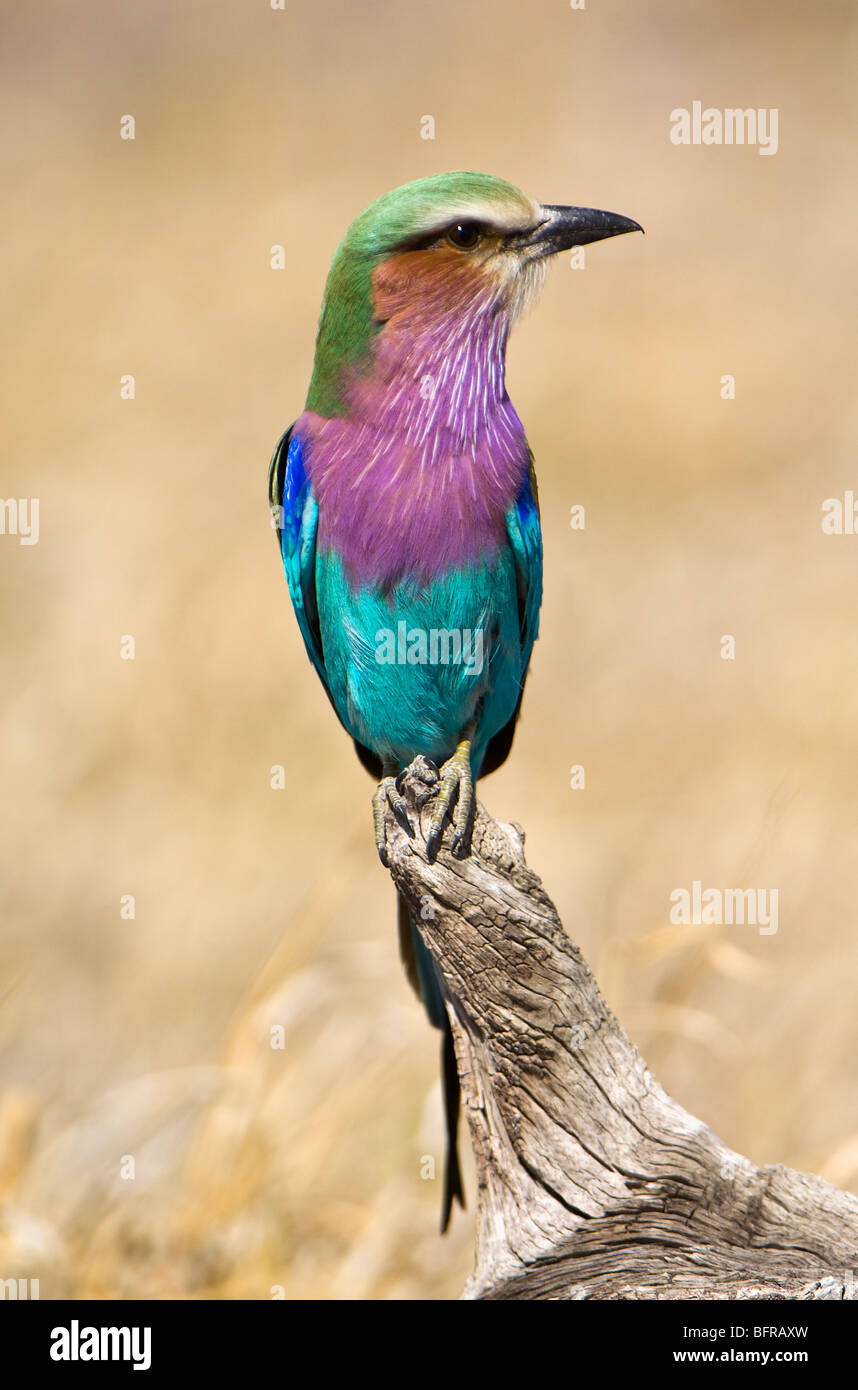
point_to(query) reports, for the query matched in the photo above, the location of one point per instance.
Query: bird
(405, 503)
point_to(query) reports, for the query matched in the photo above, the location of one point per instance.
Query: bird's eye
(464, 235)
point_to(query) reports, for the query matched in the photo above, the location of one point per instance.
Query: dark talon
(433, 840)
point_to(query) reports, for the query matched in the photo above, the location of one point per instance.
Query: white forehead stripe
(501, 216)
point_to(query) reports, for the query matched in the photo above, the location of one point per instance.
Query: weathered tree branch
(592, 1182)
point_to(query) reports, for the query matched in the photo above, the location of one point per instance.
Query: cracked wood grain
(592, 1181)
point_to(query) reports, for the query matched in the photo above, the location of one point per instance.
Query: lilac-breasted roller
(405, 501)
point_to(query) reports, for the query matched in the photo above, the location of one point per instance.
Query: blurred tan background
(299, 1168)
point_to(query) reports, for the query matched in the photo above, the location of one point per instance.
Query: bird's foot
(456, 781)
(387, 794)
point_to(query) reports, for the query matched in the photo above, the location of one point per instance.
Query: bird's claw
(456, 779)
(387, 794)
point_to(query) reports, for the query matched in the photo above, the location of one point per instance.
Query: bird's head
(432, 262)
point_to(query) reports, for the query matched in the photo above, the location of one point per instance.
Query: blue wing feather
(296, 515)
(525, 537)
(296, 518)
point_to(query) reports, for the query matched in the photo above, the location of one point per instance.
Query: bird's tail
(420, 969)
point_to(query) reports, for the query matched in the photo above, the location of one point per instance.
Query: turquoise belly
(408, 671)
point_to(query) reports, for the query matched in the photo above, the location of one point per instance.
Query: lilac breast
(419, 475)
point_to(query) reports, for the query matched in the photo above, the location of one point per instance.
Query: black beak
(567, 227)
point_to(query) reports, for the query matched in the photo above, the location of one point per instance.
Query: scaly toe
(387, 794)
(455, 778)
(439, 814)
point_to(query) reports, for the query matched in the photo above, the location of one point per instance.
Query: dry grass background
(301, 1167)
